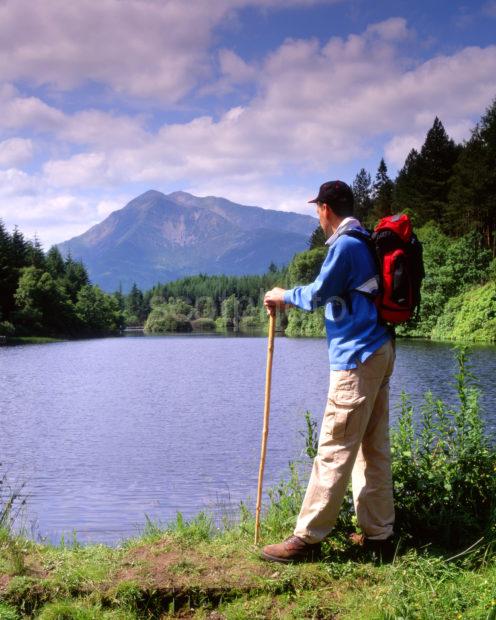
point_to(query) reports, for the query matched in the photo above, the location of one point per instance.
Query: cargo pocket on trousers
(343, 413)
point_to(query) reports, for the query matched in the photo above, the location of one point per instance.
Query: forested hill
(158, 238)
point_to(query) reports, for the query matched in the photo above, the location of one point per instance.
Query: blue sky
(258, 101)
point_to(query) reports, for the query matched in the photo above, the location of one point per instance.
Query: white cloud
(14, 182)
(15, 151)
(142, 48)
(317, 107)
(27, 112)
(398, 147)
(79, 171)
(52, 217)
(234, 67)
(394, 29)
(87, 127)
(102, 129)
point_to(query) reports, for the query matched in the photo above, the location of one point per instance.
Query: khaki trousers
(354, 442)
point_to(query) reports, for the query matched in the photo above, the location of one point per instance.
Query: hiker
(354, 438)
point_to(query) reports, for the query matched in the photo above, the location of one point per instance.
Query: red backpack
(398, 254)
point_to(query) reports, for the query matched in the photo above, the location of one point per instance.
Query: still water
(105, 432)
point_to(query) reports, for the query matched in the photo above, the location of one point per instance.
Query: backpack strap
(366, 237)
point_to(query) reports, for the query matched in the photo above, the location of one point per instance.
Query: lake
(103, 432)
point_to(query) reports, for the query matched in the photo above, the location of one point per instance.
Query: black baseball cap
(335, 193)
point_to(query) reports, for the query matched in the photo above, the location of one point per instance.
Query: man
(354, 438)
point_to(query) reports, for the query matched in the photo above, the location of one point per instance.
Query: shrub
(6, 328)
(250, 322)
(451, 267)
(306, 265)
(161, 320)
(301, 323)
(470, 316)
(221, 324)
(203, 324)
(444, 468)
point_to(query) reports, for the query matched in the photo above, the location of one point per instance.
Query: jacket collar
(346, 224)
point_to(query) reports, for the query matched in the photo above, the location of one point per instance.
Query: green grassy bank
(193, 572)
(31, 340)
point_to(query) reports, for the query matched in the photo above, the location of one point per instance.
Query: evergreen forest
(48, 295)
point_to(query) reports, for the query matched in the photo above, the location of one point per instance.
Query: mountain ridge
(157, 238)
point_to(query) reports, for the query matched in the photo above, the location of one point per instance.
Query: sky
(257, 101)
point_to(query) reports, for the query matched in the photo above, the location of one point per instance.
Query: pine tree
(135, 306)
(75, 277)
(6, 276)
(317, 239)
(407, 196)
(19, 250)
(472, 199)
(16, 256)
(435, 164)
(362, 193)
(55, 263)
(36, 256)
(382, 194)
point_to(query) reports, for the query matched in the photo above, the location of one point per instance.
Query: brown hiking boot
(293, 549)
(382, 550)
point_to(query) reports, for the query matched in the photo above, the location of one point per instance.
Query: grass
(171, 578)
(183, 571)
(32, 340)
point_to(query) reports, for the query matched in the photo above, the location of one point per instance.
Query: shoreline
(189, 570)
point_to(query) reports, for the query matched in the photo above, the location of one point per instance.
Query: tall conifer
(382, 192)
(362, 194)
(472, 199)
(437, 157)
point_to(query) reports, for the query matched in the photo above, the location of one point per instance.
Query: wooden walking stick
(265, 431)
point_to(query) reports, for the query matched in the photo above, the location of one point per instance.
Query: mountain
(158, 238)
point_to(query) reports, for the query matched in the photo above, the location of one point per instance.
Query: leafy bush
(301, 323)
(203, 324)
(306, 265)
(470, 316)
(451, 267)
(98, 312)
(444, 468)
(250, 322)
(6, 328)
(220, 323)
(161, 320)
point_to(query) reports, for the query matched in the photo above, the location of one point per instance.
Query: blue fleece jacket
(350, 337)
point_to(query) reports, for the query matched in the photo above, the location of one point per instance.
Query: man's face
(322, 215)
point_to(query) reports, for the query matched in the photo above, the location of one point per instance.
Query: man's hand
(274, 299)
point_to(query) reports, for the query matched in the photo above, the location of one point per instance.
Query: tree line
(48, 295)
(203, 302)
(453, 185)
